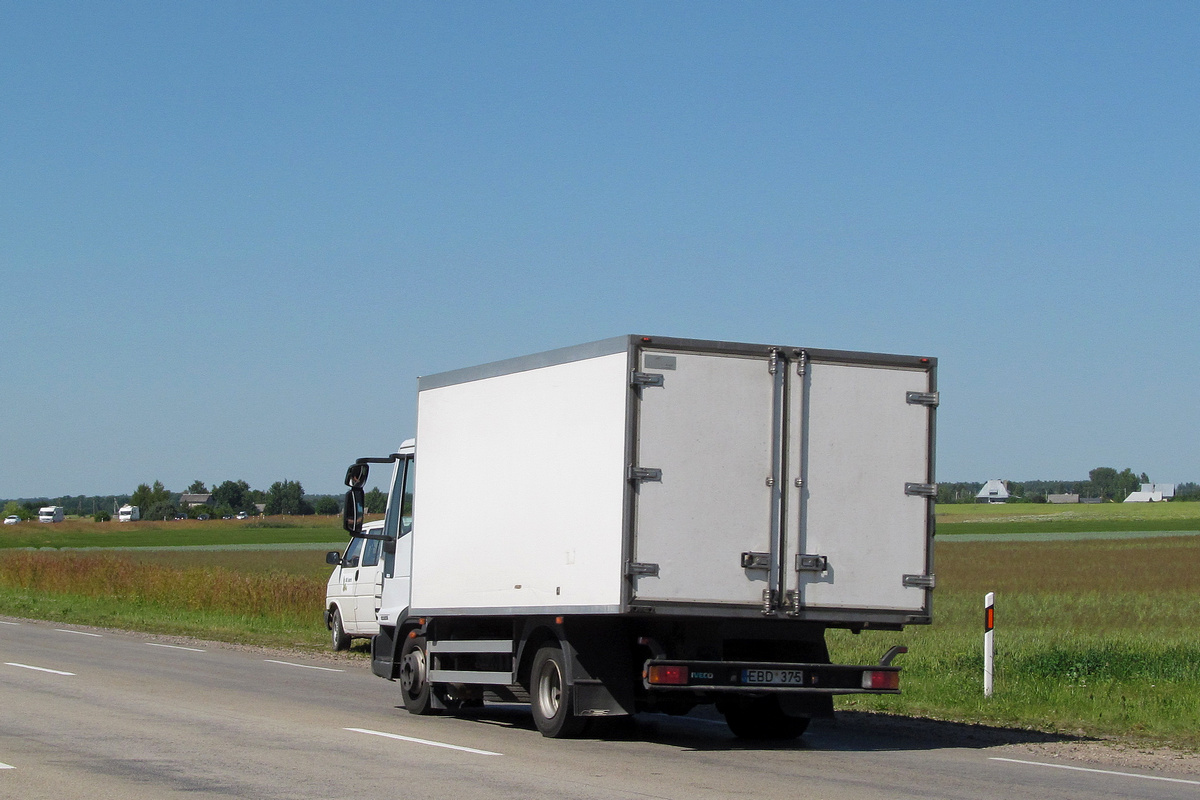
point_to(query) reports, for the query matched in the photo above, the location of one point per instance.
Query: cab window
(371, 549)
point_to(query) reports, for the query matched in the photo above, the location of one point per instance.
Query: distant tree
(102, 516)
(1113, 485)
(1187, 491)
(375, 501)
(234, 495)
(145, 497)
(12, 507)
(327, 505)
(197, 487)
(163, 509)
(198, 510)
(287, 497)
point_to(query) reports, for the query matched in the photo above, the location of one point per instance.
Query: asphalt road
(100, 714)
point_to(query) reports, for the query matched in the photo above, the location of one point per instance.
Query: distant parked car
(243, 515)
(12, 519)
(180, 516)
(202, 516)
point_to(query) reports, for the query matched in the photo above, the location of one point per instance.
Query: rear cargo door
(702, 490)
(861, 529)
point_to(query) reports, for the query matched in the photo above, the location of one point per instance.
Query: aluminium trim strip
(471, 646)
(471, 676)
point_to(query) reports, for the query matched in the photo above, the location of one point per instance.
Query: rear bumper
(660, 674)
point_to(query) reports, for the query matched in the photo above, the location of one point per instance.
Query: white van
(50, 514)
(129, 513)
(354, 589)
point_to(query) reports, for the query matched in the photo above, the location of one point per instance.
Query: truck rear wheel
(550, 696)
(761, 718)
(414, 676)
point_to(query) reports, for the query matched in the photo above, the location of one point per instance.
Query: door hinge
(791, 602)
(645, 474)
(647, 379)
(639, 568)
(919, 581)
(920, 489)
(756, 560)
(801, 362)
(922, 399)
(773, 364)
(811, 563)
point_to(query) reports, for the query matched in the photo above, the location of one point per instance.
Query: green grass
(79, 534)
(1047, 518)
(1094, 637)
(272, 598)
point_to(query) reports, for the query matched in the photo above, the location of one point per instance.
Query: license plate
(773, 677)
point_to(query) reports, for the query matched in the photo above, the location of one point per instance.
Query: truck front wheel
(760, 718)
(414, 676)
(550, 696)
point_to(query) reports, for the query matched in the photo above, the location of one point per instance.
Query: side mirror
(356, 475)
(333, 558)
(352, 515)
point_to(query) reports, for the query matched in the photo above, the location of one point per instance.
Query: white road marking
(2, 622)
(175, 647)
(1100, 771)
(302, 666)
(7, 766)
(424, 741)
(39, 669)
(81, 633)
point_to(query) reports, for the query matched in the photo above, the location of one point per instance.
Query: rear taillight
(667, 675)
(881, 679)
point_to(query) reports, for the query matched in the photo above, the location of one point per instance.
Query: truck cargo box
(641, 475)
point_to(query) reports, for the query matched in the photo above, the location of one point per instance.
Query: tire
(550, 696)
(338, 636)
(414, 676)
(761, 718)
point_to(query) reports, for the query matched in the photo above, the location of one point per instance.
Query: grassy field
(1097, 637)
(1047, 518)
(267, 597)
(1093, 637)
(85, 533)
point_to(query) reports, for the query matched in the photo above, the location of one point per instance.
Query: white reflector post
(989, 622)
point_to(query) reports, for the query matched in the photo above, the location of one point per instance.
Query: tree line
(1104, 483)
(228, 498)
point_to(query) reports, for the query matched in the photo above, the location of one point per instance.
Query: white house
(1152, 493)
(994, 491)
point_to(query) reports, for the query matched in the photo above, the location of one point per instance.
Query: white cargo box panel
(678, 476)
(520, 487)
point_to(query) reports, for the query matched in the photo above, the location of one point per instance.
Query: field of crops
(1097, 637)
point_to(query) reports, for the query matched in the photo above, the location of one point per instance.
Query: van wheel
(339, 638)
(761, 718)
(550, 697)
(414, 676)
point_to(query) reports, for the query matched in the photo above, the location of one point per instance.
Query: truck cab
(129, 513)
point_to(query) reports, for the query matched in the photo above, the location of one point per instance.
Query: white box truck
(50, 514)
(128, 513)
(651, 524)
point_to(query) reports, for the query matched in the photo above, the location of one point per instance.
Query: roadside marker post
(989, 623)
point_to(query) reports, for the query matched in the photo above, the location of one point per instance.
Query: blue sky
(233, 234)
